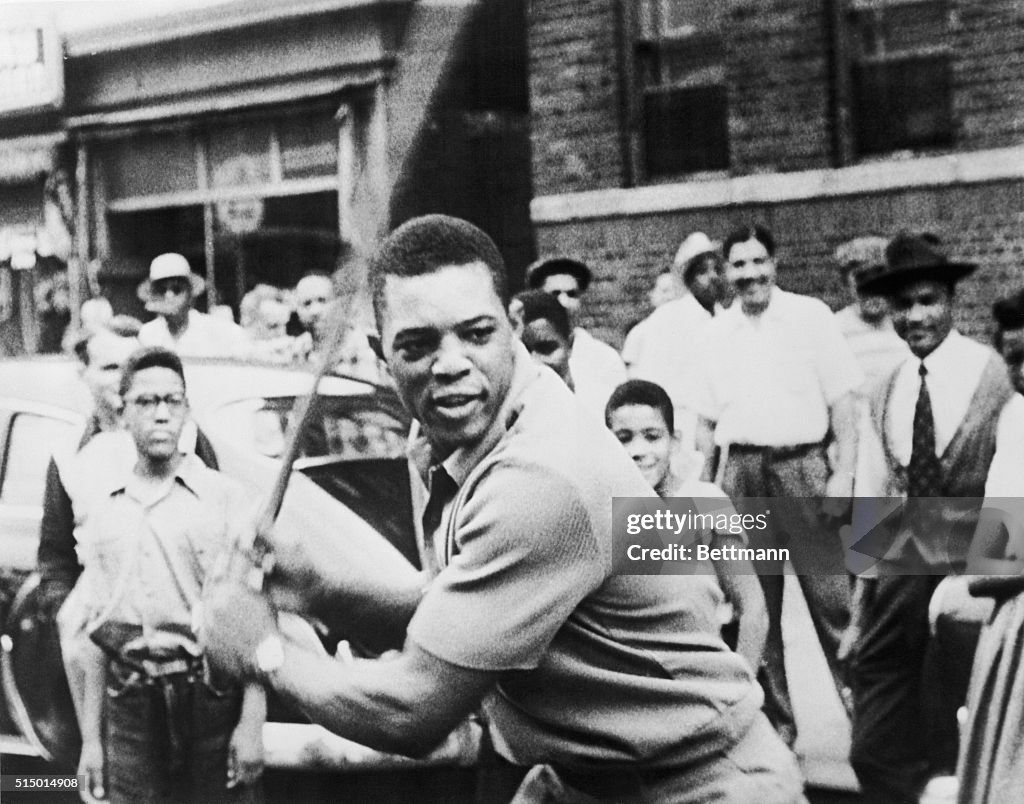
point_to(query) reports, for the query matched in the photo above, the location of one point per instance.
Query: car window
(31, 440)
(347, 427)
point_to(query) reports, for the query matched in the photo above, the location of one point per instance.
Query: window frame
(637, 89)
(850, 111)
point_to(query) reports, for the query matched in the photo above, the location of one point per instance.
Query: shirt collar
(943, 355)
(187, 475)
(461, 462)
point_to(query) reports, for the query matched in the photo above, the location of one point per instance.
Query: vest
(942, 531)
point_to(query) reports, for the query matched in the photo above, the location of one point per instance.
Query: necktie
(442, 490)
(924, 473)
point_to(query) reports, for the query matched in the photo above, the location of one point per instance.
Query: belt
(613, 785)
(775, 453)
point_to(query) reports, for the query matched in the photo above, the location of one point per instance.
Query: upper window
(901, 83)
(681, 119)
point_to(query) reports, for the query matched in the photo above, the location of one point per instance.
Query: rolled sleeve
(526, 556)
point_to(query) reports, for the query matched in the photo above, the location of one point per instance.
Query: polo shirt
(205, 336)
(770, 380)
(147, 552)
(594, 668)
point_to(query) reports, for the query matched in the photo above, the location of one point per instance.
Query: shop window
(154, 164)
(247, 198)
(682, 104)
(901, 82)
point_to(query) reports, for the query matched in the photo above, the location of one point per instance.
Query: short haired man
(773, 379)
(663, 351)
(596, 367)
(169, 292)
(945, 423)
(546, 332)
(156, 724)
(1008, 313)
(865, 322)
(614, 686)
(313, 296)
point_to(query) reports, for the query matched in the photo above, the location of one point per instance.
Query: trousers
(167, 738)
(795, 478)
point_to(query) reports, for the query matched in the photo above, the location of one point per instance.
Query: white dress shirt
(954, 369)
(667, 351)
(596, 370)
(771, 380)
(205, 336)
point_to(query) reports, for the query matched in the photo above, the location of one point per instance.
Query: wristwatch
(269, 656)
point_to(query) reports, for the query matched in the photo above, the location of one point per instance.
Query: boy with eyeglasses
(156, 724)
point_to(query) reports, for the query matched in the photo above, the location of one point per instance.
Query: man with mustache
(774, 378)
(946, 424)
(615, 687)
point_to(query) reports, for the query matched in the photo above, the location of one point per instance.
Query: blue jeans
(167, 739)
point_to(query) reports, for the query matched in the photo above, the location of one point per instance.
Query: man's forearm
(398, 706)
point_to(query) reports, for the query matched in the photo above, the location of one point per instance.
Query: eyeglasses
(572, 294)
(150, 403)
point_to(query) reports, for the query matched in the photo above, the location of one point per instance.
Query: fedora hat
(912, 258)
(541, 269)
(170, 266)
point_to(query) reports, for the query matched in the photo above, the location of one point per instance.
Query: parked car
(353, 450)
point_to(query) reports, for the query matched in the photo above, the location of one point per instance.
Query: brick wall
(777, 74)
(574, 95)
(988, 72)
(778, 60)
(982, 223)
(778, 77)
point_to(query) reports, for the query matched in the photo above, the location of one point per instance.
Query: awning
(25, 158)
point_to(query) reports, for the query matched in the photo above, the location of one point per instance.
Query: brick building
(824, 120)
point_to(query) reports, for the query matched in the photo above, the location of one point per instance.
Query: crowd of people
(285, 326)
(610, 687)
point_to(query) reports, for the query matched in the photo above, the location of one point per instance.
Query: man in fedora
(666, 352)
(169, 292)
(945, 424)
(596, 367)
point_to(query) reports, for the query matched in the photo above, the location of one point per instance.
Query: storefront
(249, 137)
(35, 201)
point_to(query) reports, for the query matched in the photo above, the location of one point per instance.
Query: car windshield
(341, 427)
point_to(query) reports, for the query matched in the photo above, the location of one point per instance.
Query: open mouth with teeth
(456, 406)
